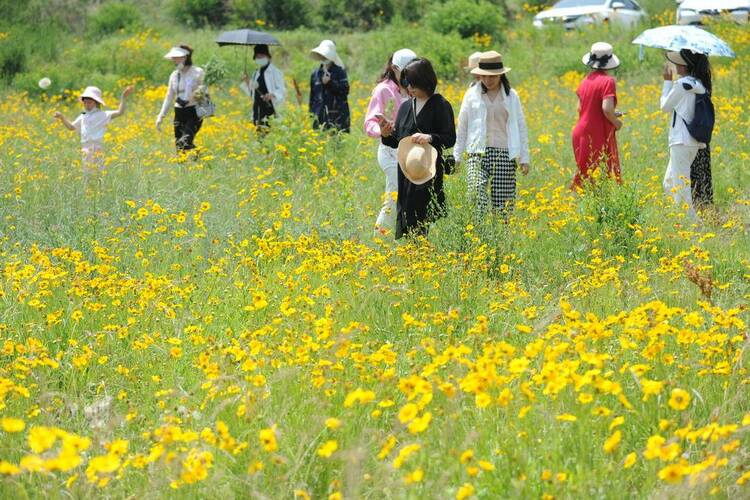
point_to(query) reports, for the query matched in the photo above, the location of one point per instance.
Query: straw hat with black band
(490, 64)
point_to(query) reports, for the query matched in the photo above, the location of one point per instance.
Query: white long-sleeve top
(678, 99)
(471, 134)
(274, 83)
(182, 83)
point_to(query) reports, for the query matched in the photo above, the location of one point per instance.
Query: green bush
(12, 59)
(112, 17)
(362, 15)
(466, 17)
(281, 14)
(199, 13)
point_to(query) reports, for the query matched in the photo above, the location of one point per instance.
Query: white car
(697, 11)
(577, 13)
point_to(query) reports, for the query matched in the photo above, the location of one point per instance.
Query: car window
(629, 4)
(577, 3)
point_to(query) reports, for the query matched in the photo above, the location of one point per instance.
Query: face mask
(180, 65)
(261, 61)
(326, 64)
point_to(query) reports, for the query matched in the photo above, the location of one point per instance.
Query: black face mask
(404, 82)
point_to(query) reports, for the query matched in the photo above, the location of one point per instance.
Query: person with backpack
(688, 100)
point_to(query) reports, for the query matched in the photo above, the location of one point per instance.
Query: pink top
(385, 93)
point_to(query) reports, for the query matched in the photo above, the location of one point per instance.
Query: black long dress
(418, 205)
(262, 110)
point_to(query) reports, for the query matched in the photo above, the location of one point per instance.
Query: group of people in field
(415, 126)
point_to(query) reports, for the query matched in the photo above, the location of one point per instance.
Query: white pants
(677, 178)
(92, 157)
(388, 161)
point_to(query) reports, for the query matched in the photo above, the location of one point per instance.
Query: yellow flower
(566, 417)
(41, 439)
(415, 476)
(420, 424)
(672, 473)
(612, 442)
(630, 460)
(465, 491)
(333, 423)
(679, 399)
(328, 448)
(407, 413)
(267, 439)
(9, 424)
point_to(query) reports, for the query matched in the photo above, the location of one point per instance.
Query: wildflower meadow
(227, 326)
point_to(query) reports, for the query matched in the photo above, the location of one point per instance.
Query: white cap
(176, 52)
(473, 61)
(403, 57)
(326, 51)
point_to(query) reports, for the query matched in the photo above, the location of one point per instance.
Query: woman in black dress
(427, 118)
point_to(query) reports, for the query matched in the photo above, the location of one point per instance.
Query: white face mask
(327, 64)
(180, 65)
(261, 61)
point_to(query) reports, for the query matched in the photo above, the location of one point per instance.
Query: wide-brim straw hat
(473, 61)
(601, 56)
(176, 52)
(676, 58)
(490, 64)
(418, 162)
(326, 51)
(93, 93)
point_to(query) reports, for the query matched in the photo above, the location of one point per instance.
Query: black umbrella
(246, 37)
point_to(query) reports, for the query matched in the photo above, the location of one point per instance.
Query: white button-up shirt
(92, 125)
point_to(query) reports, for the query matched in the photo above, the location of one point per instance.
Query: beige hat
(418, 162)
(473, 61)
(490, 63)
(326, 51)
(601, 56)
(176, 52)
(676, 58)
(93, 93)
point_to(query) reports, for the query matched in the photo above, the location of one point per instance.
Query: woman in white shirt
(678, 99)
(492, 131)
(183, 82)
(265, 88)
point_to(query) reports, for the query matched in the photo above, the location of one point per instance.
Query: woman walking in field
(183, 82)
(679, 100)
(423, 128)
(385, 103)
(594, 140)
(329, 89)
(492, 131)
(265, 88)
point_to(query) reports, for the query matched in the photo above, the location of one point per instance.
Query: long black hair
(503, 81)
(189, 57)
(698, 67)
(388, 73)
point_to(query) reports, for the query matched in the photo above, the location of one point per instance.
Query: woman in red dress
(594, 140)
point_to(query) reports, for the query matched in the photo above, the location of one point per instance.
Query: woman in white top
(183, 82)
(678, 99)
(266, 87)
(492, 131)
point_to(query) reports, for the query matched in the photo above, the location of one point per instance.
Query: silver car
(577, 13)
(698, 11)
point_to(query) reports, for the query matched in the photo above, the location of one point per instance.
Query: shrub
(282, 14)
(112, 17)
(12, 59)
(216, 70)
(199, 13)
(362, 15)
(466, 17)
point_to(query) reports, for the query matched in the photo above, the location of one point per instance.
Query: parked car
(577, 13)
(698, 11)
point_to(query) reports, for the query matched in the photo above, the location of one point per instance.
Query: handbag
(204, 106)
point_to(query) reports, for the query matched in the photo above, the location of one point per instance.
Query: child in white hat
(92, 123)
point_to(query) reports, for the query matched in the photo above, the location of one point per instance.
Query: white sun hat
(176, 52)
(601, 56)
(403, 57)
(473, 61)
(418, 162)
(93, 93)
(326, 51)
